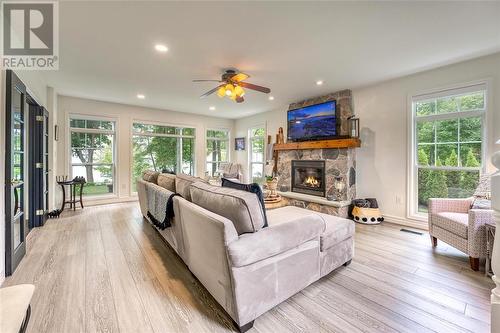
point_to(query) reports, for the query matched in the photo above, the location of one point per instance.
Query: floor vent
(411, 231)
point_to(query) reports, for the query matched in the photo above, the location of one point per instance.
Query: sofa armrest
(449, 205)
(477, 231)
(273, 240)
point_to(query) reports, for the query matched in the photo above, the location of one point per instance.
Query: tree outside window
(217, 150)
(162, 148)
(92, 154)
(449, 145)
(256, 154)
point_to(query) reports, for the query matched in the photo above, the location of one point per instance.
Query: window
(217, 150)
(448, 149)
(256, 152)
(162, 148)
(93, 154)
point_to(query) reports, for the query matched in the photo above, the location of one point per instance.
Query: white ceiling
(107, 48)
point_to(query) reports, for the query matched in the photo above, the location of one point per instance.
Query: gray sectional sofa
(219, 233)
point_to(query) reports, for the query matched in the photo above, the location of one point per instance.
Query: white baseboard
(418, 224)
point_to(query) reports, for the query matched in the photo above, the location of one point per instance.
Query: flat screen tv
(314, 122)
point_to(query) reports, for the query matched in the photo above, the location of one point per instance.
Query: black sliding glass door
(38, 164)
(15, 130)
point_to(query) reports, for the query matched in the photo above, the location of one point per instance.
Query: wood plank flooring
(104, 269)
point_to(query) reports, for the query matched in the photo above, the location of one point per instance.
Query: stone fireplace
(308, 177)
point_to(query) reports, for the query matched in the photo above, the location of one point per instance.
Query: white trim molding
(412, 120)
(407, 222)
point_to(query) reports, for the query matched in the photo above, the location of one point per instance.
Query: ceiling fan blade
(239, 77)
(207, 81)
(255, 87)
(211, 91)
(239, 99)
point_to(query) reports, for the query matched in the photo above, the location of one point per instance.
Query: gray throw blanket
(157, 206)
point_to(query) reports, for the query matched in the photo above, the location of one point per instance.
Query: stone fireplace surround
(338, 162)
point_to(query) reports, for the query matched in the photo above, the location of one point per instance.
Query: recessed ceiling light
(319, 82)
(271, 98)
(140, 96)
(161, 48)
(212, 108)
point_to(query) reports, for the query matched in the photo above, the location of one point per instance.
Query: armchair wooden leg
(434, 241)
(474, 263)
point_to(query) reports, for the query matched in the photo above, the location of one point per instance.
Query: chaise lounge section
(247, 267)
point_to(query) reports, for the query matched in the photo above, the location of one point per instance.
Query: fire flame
(311, 181)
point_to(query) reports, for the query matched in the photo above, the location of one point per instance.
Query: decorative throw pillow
(480, 203)
(241, 207)
(150, 176)
(182, 183)
(483, 189)
(253, 188)
(167, 181)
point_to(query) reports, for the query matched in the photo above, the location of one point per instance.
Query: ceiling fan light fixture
(239, 91)
(229, 89)
(221, 92)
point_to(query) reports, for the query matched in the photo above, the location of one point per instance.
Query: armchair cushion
(456, 223)
(275, 239)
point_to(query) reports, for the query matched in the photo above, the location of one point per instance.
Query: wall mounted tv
(314, 122)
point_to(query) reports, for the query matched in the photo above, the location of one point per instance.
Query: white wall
(125, 115)
(384, 112)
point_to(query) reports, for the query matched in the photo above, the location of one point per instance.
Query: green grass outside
(90, 189)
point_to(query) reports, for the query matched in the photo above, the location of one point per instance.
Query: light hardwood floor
(105, 269)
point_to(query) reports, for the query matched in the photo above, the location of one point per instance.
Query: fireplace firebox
(308, 177)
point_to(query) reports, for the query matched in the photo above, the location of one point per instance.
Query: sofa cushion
(252, 188)
(251, 248)
(167, 181)
(150, 176)
(241, 207)
(335, 229)
(456, 223)
(182, 184)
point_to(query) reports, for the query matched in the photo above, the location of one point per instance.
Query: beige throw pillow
(241, 207)
(167, 181)
(182, 183)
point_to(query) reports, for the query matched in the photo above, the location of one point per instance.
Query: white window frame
(228, 141)
(95, 131)
(250, 139)
(484, 85)
(179, 156)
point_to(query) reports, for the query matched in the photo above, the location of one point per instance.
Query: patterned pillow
(483, 189)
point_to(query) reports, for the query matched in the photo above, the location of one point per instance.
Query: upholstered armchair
(231, 171)
(455, 223)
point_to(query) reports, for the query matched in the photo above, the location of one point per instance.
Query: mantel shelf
(336, 143)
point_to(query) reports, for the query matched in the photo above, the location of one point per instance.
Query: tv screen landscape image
(313, 122)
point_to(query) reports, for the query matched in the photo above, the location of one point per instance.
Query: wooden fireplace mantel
(335, 143)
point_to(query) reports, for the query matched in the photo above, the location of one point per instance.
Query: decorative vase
(272, 186)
